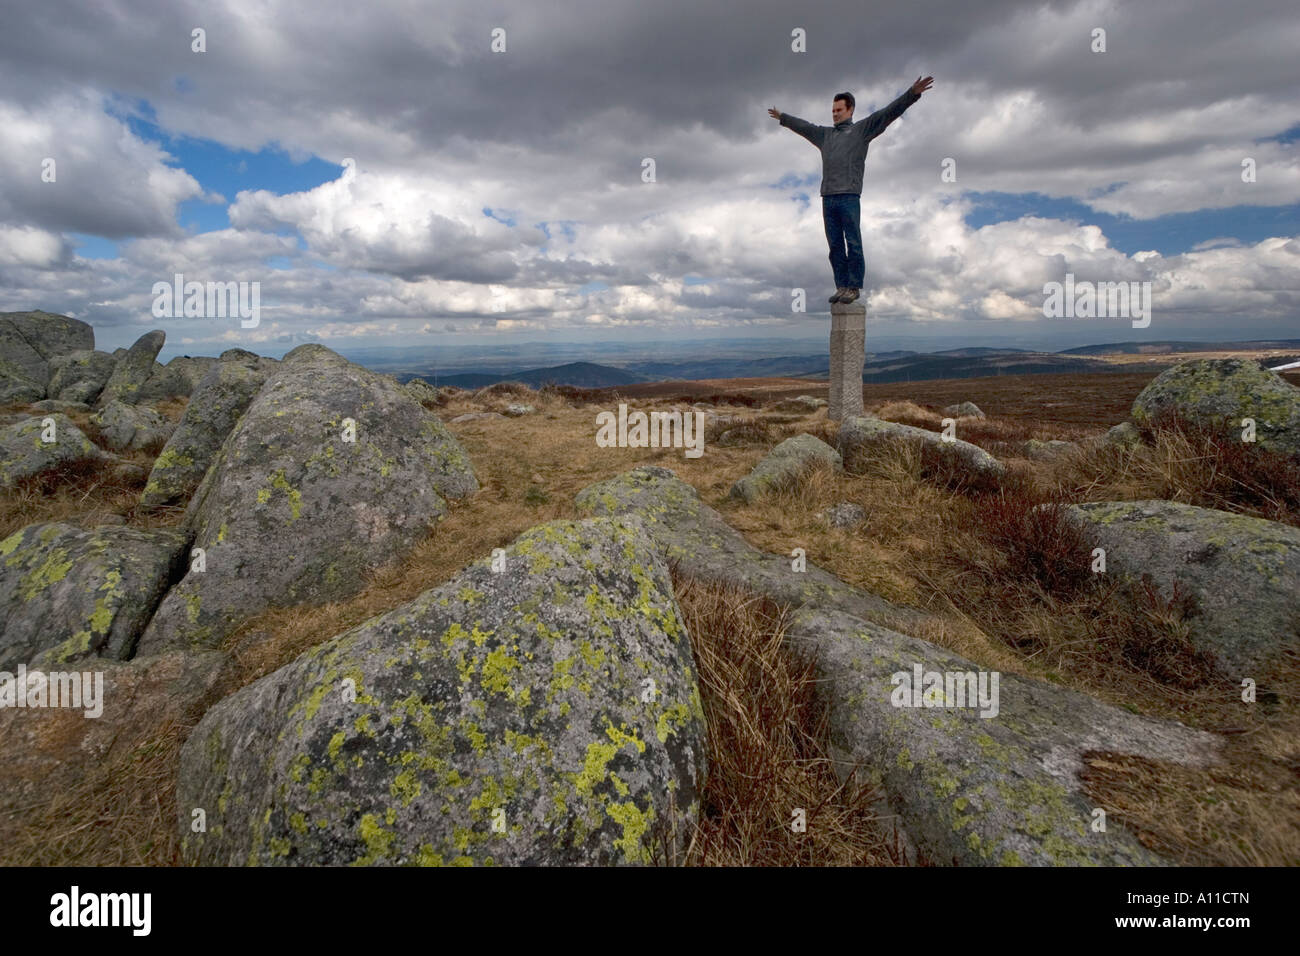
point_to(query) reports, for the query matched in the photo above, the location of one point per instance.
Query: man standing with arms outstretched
(844, 150)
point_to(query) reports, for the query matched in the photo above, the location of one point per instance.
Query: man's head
(842, 107)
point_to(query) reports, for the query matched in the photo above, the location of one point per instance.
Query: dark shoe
(849, 295)
(839, 292)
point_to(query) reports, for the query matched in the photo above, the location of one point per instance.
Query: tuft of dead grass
(766, 745)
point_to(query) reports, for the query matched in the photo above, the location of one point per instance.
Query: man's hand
(920, 86)
(774, 113)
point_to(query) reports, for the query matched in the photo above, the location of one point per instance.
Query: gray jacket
(844, 145)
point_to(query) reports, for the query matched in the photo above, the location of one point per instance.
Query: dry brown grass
(122, 812)
(1186, 463)
(767, 746)
(1244, 811)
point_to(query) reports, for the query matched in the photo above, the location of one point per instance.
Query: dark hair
(847, 98)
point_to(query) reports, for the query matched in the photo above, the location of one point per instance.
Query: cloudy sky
(391, 179)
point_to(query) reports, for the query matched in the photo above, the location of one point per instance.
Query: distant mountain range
(893, 366)
(1157, 348)
(581, 374)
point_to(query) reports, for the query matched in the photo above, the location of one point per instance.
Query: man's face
(840, 111)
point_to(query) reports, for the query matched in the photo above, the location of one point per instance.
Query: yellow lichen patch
(280, 483)
(636, 824)
(378, 841)
(53, 570)
(497, 667)
(8, 545)
(670, 719)
(405, 787)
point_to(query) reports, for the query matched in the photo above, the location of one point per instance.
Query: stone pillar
(848, 355)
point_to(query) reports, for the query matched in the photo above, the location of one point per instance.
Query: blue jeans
(842, 215)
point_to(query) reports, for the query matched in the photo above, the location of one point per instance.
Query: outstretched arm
(876, 123)
(814, 134)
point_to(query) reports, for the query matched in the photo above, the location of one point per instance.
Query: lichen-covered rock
(705, 547)
(332, 471)
(964, 410)
(1125, 435)
(193, 368)
(49, 333)
(845, 514)
(544, 713)
(422, 392)
(29, 342)
(55, 405)
(17, 382)
(1244, 573)
(74, 593)
(783, 463)
(134, 427)
(518, 409)
(1037, 450)
(21, 357)
(999, 789)
(80, 376)
(474, 417)
(862, 438)
(216, 405)
(133, 369)
(1220, 393)
(41, 444)
(50, 750)
(166, 381)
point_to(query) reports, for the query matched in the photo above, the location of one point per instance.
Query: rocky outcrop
(1124, 435)
(861, 439)
(41, 444)
(54, 405)
(422, 392)
(1244, 573)
(544, 712)
(783, 464)
(221, 398)
(1037, 450)
(1220, 393)
(22, 362)
(964, 410)
(331, 472)
(74, 594)
(192, 368)
(164, 382)
(80, 376)
(16, 384)
(990, 780)
(132, 427)
(133, 369)
(49, 333)
(29, 343)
